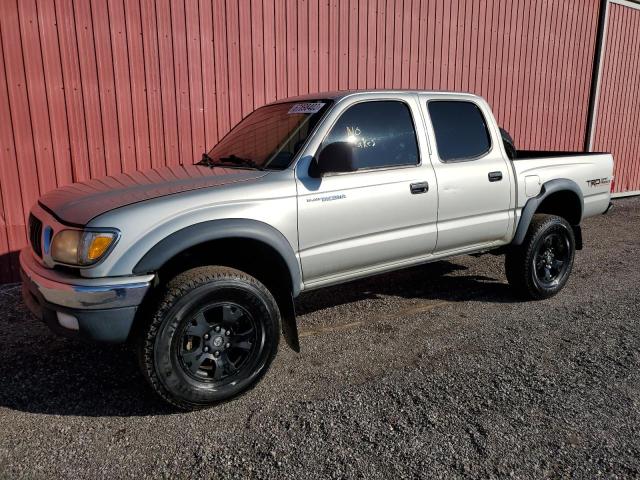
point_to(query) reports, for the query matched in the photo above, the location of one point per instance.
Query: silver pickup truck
(199, 265)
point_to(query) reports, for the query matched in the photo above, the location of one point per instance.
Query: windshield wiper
(230, 161)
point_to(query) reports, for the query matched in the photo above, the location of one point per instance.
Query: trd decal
(598, 181)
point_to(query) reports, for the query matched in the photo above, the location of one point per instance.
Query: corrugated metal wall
(89, 88)
(618, 110)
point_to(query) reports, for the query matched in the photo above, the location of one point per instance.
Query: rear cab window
(382, 131)
(460, 130)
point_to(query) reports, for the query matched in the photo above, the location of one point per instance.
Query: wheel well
(251, 256)
(565, 204)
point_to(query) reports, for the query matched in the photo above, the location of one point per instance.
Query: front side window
(270, 137)
(460, 129)
(382, 132)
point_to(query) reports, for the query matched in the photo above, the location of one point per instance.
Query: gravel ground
(432, 371)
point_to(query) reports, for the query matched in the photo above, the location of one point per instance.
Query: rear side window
(460, 129)
(382, 132)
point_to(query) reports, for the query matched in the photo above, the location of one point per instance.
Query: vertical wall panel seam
(574, 123)
(187, 71)
(630, 88)
(505, 49)
(25, 206)
(615, 125)
(519, 113)
(13, 134)
(253, 98)
(621, 138)
(175, 84)
(578, 93)
(191, 106)
(613, 91)
(162, 112)
(601, 97)
(133, 116)
(46, 96)
(84, 117)
(560, 97)
(146, 87)
(540, 117)
(74, 175)
(115, 91)
(596, 73)
(635, 144)
(98, 86)
(590, 67)
(226, 38)
(26, 90)
(556, 101)
(608, 77)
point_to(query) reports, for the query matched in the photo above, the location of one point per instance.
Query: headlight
(77, 247)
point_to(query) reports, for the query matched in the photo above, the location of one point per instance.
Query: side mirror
(337, 157)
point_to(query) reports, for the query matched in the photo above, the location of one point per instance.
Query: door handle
(420, 187)
(495, 176)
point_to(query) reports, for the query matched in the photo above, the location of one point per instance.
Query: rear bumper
(101, 309)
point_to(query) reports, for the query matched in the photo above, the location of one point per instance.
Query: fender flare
(530, 208)
(199, 233)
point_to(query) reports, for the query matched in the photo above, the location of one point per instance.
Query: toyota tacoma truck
(199, 265)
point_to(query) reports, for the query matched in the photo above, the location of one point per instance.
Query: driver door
(382, 214)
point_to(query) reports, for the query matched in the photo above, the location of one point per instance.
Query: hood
(77, 204)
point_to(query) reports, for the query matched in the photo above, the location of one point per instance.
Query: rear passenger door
(474, 177)
(380, 215)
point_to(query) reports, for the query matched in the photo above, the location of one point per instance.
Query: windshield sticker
(306, 108)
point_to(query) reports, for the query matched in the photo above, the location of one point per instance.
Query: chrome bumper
(65, 290)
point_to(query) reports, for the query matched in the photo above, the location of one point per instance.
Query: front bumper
(103, 308)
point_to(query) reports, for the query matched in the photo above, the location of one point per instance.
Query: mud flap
(577, 233)
(289, 326)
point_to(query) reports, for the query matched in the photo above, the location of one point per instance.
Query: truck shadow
(42, 373)
(432, 281)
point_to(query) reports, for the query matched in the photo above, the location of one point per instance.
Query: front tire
(213, 337)
(541, 266)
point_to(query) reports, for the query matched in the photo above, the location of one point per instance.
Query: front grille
(35, 234)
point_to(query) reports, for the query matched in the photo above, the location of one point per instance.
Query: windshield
(268, 138)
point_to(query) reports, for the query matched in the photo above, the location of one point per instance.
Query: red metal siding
(89, 88)
(616, 128)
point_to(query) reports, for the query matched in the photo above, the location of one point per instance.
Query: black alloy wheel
(218, 342)
(551, 259)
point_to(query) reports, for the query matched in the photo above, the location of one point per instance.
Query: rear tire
(541, 266)
(213, 337)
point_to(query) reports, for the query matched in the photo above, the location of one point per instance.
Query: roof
(339, 94)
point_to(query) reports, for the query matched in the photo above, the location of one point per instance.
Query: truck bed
(533, 154)
(590, 171)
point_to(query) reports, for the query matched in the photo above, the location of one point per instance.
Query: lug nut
(227, 333)
(216, 354)
(206, 349)
(227, 345)
(206, 336)
(217, 329)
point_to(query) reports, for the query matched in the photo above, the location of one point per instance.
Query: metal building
(93, 87)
